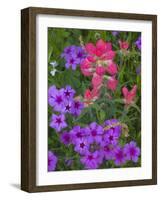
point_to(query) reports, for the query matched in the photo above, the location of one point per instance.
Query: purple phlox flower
(68, 92)
(96, 146)
(71, 62)
(51, 94)
(80, 54)
(77, 133)
(100, 157)
(115, 33)
(73, 56)
(81, 146)
(138, 70)
(58, 100)
(77, 107)
(132, 151)
(96, 132)
(58, 122)
(138, 43)
(111, 136)
(67, 106)
(68, 51)
(62, 100)
(108, 151)
(115, 126)
(52, 161)
(65, 138)
(119, 156)
(91, 160)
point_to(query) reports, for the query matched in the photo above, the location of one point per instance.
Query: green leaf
(136, 107)
(102, 115)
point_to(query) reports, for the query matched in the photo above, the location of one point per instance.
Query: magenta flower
(124, 45)
(86, 67)
(52, 161)
(97, 80)
(81, 146)
(119, 156)
(65, 138)
(112, 69)
(129, 96)
(98, 57)
(77, 107)
(90, 96)
(91, 160)
(102, 49)
(100, 70)
(132, 151)
(112, 83)
(58, 122)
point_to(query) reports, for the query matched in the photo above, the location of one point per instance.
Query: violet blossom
(81, 146)
(119, 156)
(52, 161)
(58, 122)
(77, 107)
(65, 138)
(91, 160)
(96, 132)
(138, 43)
(132, 151)
(73, 56)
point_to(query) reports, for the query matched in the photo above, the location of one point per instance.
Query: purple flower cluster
(52, 161)
(138, 43)
(62, 101)
(96, 143)
(73, 56)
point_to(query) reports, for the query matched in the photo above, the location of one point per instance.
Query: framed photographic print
(89, 99)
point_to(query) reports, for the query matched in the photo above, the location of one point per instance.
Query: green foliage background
(103, 108)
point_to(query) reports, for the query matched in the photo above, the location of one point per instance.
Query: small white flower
(52, 72)
(54, 64)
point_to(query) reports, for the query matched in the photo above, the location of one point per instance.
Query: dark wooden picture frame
(28, 98)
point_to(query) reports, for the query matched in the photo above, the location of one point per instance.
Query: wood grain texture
(28, 98)
(154, 99)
